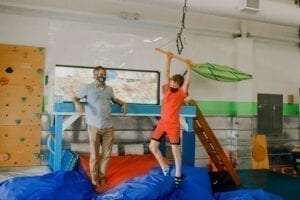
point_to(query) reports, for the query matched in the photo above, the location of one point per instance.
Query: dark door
(269, 113)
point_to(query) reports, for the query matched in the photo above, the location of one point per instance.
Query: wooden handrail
(212, 145)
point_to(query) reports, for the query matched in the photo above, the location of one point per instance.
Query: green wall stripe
(290, 109)
(246, 108)
(231, 108)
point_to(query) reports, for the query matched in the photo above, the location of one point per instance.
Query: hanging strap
(179, 43)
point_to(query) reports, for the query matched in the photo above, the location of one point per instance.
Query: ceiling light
(156, 39)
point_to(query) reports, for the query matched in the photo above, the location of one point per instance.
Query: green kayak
(220, 72)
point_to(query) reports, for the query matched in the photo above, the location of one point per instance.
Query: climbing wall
(21, 95)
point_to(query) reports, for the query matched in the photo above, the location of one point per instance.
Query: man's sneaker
(102, 181)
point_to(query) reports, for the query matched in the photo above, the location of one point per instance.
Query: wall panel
(21, 94)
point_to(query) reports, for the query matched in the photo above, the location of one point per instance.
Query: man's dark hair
(178, 78)
(96, 69)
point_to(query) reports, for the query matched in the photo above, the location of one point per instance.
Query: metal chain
(179, 43)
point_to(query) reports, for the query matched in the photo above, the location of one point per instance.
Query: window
(132, 86)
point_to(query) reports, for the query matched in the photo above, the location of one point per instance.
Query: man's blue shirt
(98, 105)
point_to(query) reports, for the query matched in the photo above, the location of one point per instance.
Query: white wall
(119, 43)
(23, 30)
(276, 69)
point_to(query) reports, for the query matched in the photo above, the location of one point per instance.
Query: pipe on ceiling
(281, 12)
(271, 11)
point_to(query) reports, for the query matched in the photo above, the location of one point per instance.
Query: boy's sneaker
(166, 171)
(177, 181)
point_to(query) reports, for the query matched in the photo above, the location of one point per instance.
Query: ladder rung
(220, 162)
(201, 129)
(207, 140)
(212, 152)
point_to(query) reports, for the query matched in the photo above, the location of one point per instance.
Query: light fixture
(156, 39)
(153, 40)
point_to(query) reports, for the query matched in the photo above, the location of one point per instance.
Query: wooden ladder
(212, 145)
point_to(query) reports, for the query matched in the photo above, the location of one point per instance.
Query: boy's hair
(178, 78)
(96, 69)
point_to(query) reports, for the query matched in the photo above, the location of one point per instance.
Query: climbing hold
(40, 71)
(41, 49)
(21, 139)
(46, 79)
(4, 81)
(17, 121)
(36, 155)
(9, 70)
(37, 115)
(29, 89)
(4, 156)
(23, 99)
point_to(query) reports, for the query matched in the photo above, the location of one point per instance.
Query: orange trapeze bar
(174, 56)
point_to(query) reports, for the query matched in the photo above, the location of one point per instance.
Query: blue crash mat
(57, 185)
(195, 185)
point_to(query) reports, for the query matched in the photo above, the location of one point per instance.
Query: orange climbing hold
(4, 156)
(4, 81)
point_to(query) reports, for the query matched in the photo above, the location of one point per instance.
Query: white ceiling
(282, 12)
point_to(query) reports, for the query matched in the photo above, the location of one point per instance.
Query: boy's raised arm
(167, 69)
(187, 80)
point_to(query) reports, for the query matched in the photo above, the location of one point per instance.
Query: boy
(175, 90)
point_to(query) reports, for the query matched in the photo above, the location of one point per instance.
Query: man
(98, 97)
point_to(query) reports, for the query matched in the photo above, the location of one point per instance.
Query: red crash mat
(123, 168)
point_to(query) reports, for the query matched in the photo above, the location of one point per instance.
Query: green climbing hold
(18, 121)
(37, 115)
(46, 79)
(23, 99)
(21, 139)
(41, 49)
(36, 155)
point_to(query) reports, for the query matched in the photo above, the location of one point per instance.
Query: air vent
(250, 5)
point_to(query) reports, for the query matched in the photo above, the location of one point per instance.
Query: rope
(299, 33)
